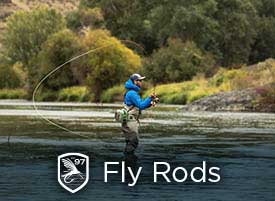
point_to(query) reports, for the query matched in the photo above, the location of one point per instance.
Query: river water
(242, 145)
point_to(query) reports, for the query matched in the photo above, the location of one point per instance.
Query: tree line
(235, 31)
(179, 40)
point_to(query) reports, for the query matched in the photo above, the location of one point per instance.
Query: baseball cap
(136, 77)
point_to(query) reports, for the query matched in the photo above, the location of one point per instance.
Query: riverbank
(246, 100)
(248, 89)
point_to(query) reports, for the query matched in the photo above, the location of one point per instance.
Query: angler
(130, 114)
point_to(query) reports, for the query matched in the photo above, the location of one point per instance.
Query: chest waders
(130, 127)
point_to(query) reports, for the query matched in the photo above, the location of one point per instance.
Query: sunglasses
(139, 80)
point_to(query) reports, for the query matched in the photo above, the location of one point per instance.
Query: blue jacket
(133, 98)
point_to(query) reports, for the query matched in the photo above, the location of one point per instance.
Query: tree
(8, 78)
(179, 61)
(111, 63)
(85, 17)
(228, 29)
(237, 19)
(151, 23)
(11, 76)
(265, 8)
(59, 48)
(25, 33)
(127, 19)
(192, 20)
(27, 30)
(264, 45)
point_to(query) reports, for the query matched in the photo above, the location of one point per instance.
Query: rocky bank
(246, 100)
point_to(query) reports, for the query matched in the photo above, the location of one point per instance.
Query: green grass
(255, 76)
(13, 94)
(184, 92)
(113, 94)
(224, 80)
(75, 94)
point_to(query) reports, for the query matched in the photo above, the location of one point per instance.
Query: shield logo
(73, 171)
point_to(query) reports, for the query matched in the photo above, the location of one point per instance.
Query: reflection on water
(242, 145)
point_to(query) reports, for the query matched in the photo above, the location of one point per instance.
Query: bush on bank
(75, 94)
(224, 80)
(184, 92)
(106, 66)
(267, 95)
(69, 94)
(258, 76)
(13, 94)
(179, 61)
(114, 94)
(9, 77)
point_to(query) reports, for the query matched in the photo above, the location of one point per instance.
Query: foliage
(262, 73)
(127, 20)
(186, 20)
(23, 38)
(171, 93)
(21, 73)
(13, 94)
(150, 23)
(231, 79)
(8, 77)
(59, 48)
(85, 17)
(237, 32)
(267, 95)
(264, 46)
(45, 95)
(76, 93)
(177, 62)
(224, 80)
(111, 62)
(180, 38)
(257, 75)
(184, 92)
(27, 30)
(113, 94)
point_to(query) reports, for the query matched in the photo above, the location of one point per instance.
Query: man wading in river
(134, 104)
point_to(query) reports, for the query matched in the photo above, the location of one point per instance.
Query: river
(241, 144)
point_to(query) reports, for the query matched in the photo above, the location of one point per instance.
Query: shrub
(184, 92)
(224, 80)
(21, 73)
(46, 95)
(267, 94)
(8, 77)
(85, 17)
(231, 79)
(110, 64)
(24, 35)
(180, 98)
(164, 91)
(179, 61)
(59, 48)
(113, 94)
(27, 30)
(175, 93)
(75, 94)
(263, 73)
(13, 94)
